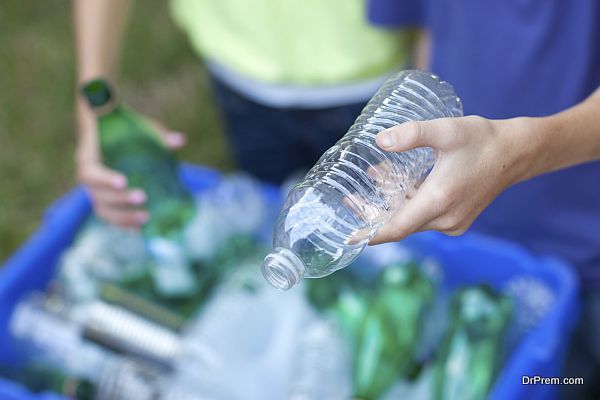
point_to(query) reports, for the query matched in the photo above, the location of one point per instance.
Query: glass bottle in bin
(40, 377)
(130, 144)
(389, 336)
(470, 355)
(383, 320)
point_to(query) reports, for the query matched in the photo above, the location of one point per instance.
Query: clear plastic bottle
(236, 206)
(41, 332)
(323, 365)
(79, 337)
(102, 252)
(123, 331)
(331, 214)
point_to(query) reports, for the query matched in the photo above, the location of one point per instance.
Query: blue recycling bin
(469, 259)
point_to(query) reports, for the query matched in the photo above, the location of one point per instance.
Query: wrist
(548, 146)
(523, 145)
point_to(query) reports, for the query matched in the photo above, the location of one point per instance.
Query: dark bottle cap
(97, 92)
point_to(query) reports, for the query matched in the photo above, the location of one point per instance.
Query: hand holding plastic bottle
(364, 186)
(478, 158)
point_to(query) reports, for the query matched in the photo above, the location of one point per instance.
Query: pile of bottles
(106, 329)
(110, 325)
(181, 311)
(405, 335)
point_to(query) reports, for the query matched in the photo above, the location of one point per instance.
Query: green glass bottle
(471, 352)
(39, 377)
(326, 293)
(391, 331)
(130, 145)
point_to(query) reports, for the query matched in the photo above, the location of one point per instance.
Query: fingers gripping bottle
(129, 144)
(329, 216)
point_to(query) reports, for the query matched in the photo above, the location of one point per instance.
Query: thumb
(412, 134)
(171, 139)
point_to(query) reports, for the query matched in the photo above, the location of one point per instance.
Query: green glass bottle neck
(113, 107)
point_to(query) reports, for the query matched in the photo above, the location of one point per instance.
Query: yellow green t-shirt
(291, 42)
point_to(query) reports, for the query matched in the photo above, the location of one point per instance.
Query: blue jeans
(272, 143)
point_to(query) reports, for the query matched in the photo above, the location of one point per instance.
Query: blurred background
(160, 76)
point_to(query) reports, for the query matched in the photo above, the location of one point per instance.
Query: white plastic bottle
(331, 214)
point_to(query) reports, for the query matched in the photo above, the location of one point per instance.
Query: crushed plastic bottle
(102, 252)
(44, 335)
(329, 217)
(235, 207)
(78, 337)
(244, 335)
(241, 304)
(323, 365)
(123, 355)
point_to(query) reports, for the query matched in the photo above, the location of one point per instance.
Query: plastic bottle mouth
(282, 268)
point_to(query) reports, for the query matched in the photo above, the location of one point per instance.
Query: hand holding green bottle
(130, 144)
(112, 199)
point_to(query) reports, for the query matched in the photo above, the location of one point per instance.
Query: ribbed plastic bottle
(329, 216)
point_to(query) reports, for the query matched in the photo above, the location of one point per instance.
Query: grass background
(160, 76)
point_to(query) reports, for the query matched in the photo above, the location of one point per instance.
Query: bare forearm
(565, 139)
(99, 26)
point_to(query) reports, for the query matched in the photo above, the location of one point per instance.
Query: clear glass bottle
(329, 216)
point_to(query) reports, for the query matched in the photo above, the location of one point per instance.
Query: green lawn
(161, 76)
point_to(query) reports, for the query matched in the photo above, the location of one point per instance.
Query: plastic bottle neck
(282, 268)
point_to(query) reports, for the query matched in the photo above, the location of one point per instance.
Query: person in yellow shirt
(289, 78)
